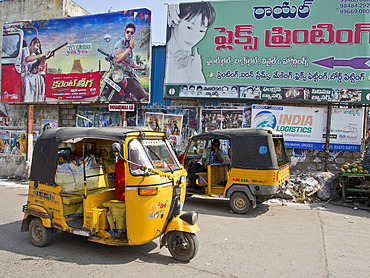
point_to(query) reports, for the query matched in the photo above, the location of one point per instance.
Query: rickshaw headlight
(191, 217)
(117, 75)
(181, 179)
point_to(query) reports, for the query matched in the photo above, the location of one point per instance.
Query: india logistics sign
(93, 58)
(305, 128)
(223, 49)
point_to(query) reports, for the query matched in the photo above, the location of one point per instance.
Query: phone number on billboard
(354, 11)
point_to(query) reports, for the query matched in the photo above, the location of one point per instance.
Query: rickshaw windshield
(280, 151)
(152, 153)
(138, 157)
(161, 154)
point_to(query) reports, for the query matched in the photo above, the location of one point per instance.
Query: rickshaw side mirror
(116, 147)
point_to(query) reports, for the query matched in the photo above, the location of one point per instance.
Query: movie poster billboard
(268, 49)
(103, 57)
(305, 128)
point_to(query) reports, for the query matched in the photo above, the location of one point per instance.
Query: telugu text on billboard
(269, 49)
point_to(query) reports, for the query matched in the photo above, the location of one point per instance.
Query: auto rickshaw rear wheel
(182, 246)
(240, 203)
(39, 235)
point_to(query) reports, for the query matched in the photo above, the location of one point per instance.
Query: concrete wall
(314, 160)
(67, 115)
(13, 10)
(13, 166)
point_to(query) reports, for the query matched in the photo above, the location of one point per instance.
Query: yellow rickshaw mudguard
(46, 222)
(177, 224)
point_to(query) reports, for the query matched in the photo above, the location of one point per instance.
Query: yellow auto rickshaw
(72, 189)
(257, 167)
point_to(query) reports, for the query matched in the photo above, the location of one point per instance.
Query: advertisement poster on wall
(14, 142)
(154, 121)
(247, 112)
(78, 58)
(210, 119)
(293, 50)
(231, 118)
(305, 128)
(48, 123)
(172, 124)
(88, 116)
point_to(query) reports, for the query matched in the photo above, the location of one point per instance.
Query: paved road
(272, 241)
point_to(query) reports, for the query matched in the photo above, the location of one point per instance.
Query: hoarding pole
(124, 120)
(328, 127)
(29, 138)
(197, 117)
(364, 131)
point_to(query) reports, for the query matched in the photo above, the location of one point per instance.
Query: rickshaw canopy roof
(44, 161)
(251, 148)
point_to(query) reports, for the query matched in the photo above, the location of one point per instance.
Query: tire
(39, 235)
(182, 246)
(240, 203)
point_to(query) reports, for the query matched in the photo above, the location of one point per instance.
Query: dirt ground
(272, 241)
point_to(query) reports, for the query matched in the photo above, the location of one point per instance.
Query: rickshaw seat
(202, 179)
(72, 204)
(70, 178)
(69, 175)
(116, 215)
(218, 175)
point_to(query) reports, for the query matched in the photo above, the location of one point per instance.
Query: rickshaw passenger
(227, 158)
(120, 180)
(210, 155)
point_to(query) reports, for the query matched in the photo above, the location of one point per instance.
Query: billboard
(103, 57)
(305, 128)
(271, 50)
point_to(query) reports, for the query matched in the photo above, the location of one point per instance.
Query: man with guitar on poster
(33, 61)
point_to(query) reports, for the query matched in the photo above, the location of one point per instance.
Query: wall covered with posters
(78, 59)
(308, 50)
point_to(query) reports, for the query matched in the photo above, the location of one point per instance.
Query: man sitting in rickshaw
(210, 155)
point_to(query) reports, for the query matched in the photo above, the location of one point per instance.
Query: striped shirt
(366, 161)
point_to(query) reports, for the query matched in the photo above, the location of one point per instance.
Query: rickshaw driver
(210, 155)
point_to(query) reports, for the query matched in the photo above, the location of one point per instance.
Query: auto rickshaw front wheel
(39, 235)
(182, 246)
(240, 203)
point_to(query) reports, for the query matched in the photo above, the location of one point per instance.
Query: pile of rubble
(311, 187)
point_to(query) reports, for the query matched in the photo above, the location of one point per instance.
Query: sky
(158, 8)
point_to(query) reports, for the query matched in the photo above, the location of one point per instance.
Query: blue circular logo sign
(265, 119)
(263, 150)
